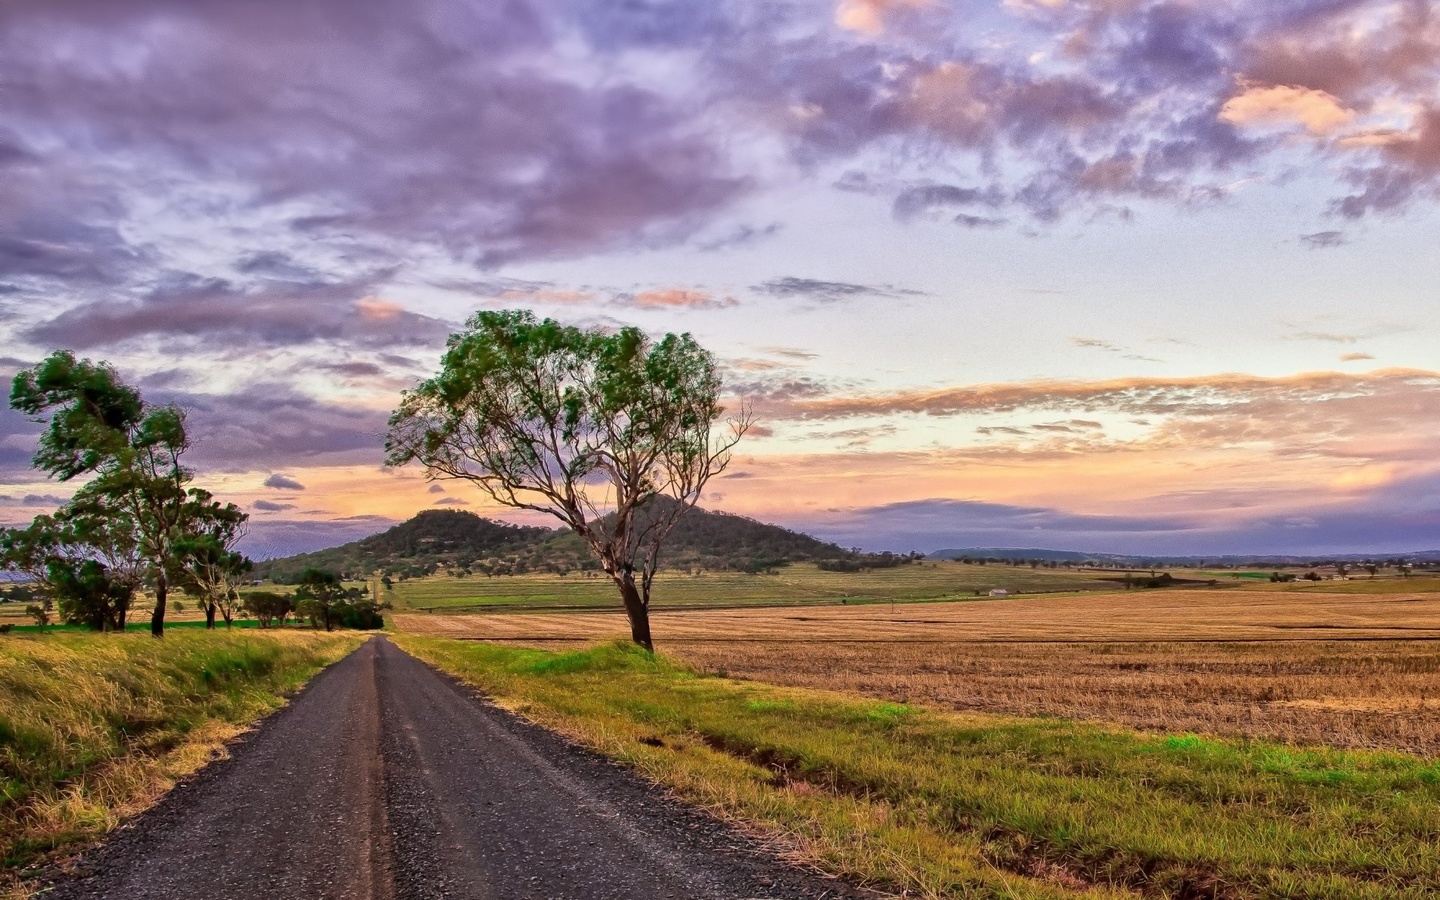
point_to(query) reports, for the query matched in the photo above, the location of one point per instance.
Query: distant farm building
(999, 592)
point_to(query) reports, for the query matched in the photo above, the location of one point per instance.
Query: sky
(1104, 275)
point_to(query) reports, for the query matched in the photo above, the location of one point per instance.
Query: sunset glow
(1126, 277)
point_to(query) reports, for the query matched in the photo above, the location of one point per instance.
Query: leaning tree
(99, 427)
(592, 427)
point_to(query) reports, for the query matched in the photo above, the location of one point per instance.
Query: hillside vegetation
(458, 542)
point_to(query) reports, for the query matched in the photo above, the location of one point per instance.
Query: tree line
(137, 522)
(612, 433)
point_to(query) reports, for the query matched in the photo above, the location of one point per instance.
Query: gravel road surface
(387, 779)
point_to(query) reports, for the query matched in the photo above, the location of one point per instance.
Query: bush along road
(385, 779)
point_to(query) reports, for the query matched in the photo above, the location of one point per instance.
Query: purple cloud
(481, 134)
(1321, 240)
(218, 313)
(270, 425)
(509, 156)
(42, 500)
(928, 525)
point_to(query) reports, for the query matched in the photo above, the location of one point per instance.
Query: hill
(458, 541)
(720, 540)
(431, 539)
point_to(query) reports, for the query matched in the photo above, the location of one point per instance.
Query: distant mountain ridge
(456, 540)
(1253, 559)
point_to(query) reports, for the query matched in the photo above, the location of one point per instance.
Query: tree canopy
(133, 517)
(208, 564)
(584, 425)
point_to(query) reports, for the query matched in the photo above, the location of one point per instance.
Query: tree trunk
(635, 610)
(210, 616)
(157, 618)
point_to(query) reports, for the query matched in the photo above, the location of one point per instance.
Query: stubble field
(1344, 669)
(795, 584)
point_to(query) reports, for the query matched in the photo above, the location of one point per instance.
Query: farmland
(1081, 741)
(946, 804)
(798, 583)
(1352, 669)
(806, 584)
(1165, 615)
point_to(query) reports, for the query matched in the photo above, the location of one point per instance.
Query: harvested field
(940, 804)
(1172, 615)
(1381, 695)
(1339, 670)
(794, 584)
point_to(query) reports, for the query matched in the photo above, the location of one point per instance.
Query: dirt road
(385, 779)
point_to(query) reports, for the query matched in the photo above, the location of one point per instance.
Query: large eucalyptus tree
(594, 428)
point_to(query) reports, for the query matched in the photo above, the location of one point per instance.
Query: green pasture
(796, 584)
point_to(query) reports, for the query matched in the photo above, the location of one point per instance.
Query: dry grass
(1171, 615)
(1316, 669)
(1341, 694)
(94, 728)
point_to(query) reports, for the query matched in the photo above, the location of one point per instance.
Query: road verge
(96, 728)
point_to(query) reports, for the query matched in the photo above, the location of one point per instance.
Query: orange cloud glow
(868, 16)
(679, 298)
(1134, 395)
(373, 309)
(1318, 112)
(1215, 450)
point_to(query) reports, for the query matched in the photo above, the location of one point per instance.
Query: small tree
(88, 593)
(320, 593)
(40, 612)
(590, 427)
(84, 557)
(269, 607)
(207, 559)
